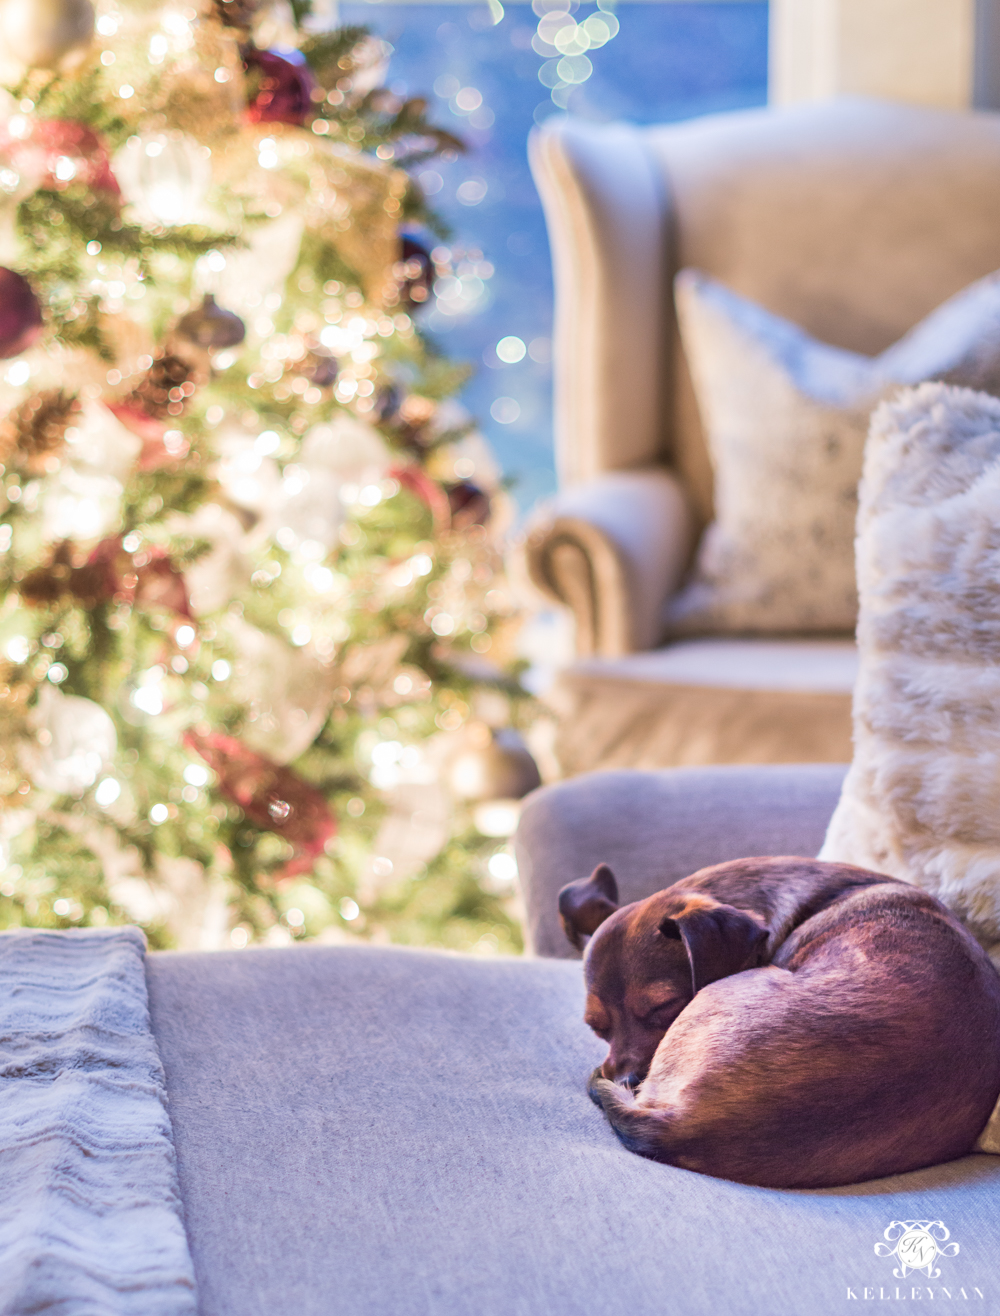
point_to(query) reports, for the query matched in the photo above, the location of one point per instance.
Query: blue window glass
(668, 61)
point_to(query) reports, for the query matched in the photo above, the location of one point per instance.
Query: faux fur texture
(920, 801)
(786, 418)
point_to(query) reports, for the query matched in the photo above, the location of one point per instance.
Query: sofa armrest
(612, 551)
(654, 828)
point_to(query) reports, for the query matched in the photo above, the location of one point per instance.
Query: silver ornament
(45, 33)
(212, 326)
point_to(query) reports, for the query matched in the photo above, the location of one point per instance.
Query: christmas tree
(254, 625)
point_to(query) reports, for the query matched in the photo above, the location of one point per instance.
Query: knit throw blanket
(90, 1212)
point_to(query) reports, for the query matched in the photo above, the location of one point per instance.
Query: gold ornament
(45, 34)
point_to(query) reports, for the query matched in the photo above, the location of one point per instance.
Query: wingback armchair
(854, 218)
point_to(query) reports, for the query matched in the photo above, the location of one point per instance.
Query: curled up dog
(787, 1022)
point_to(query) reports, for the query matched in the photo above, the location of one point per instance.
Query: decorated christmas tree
(254, 629)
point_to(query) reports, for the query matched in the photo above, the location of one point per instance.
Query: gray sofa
(371, 1130)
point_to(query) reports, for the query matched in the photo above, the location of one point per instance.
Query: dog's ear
(719, 939)
(584, 905)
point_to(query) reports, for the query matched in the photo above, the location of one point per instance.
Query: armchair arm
(608, 215)
(612, 551)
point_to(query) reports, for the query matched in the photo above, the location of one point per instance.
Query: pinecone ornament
(37, 428)
(166, 388)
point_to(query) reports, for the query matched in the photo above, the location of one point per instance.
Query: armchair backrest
(852, 217)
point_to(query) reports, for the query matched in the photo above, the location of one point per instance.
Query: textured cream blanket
(90, 1213)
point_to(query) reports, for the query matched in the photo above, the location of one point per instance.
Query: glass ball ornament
(56, 154)
(45, 33)
(284, 84)
(469, 505)
(75, 741)
(165, 176)
(20, 314)
(212, 326)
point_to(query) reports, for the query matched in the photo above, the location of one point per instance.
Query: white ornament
(75, 741)
(351, 448)
(261, 267)
(213, 579)
(250, 478)
(83, 499)
(44, 33)
(309, 507)
(99, 444)
(287, 691)
(165, 176)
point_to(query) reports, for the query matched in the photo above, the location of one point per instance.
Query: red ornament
(56, 153)
(155, 451)
(149, 579)
(272, 796)
(20, 315)
(160, 585)
(469, 504)
(283, 93)
(416, 479)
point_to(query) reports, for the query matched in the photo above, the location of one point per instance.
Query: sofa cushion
(375, 1131)
(654, 828)
(786, 418)
(920, 799)
(829, 213)
(805, 666)
(707, 701)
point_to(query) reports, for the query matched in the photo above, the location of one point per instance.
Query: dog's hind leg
(645, 1132)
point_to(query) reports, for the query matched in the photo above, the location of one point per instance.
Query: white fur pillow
(786, 418)
(922, 798)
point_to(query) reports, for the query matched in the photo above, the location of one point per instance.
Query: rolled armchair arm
(612, 551)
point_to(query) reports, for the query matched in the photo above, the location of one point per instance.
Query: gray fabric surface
(90, 1213)
(377, 1132)
(656, 827)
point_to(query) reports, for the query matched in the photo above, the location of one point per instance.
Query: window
(668, 61)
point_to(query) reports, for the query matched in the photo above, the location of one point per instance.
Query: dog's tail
(641, 1131)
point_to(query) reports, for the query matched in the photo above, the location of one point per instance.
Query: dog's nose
(630, 1079)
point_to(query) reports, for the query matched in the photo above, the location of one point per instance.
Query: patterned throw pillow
(920, 799)
(786, 418)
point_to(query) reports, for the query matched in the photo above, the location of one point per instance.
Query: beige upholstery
(852, 217)
(708, 701)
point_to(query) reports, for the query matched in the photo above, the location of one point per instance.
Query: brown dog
(787, 1022)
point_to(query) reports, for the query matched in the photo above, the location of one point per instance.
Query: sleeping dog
(788, 1023)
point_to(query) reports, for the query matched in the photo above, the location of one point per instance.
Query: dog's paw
(595, 1083)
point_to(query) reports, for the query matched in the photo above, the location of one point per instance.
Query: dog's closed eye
(661, 1012)
(596, 1019)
